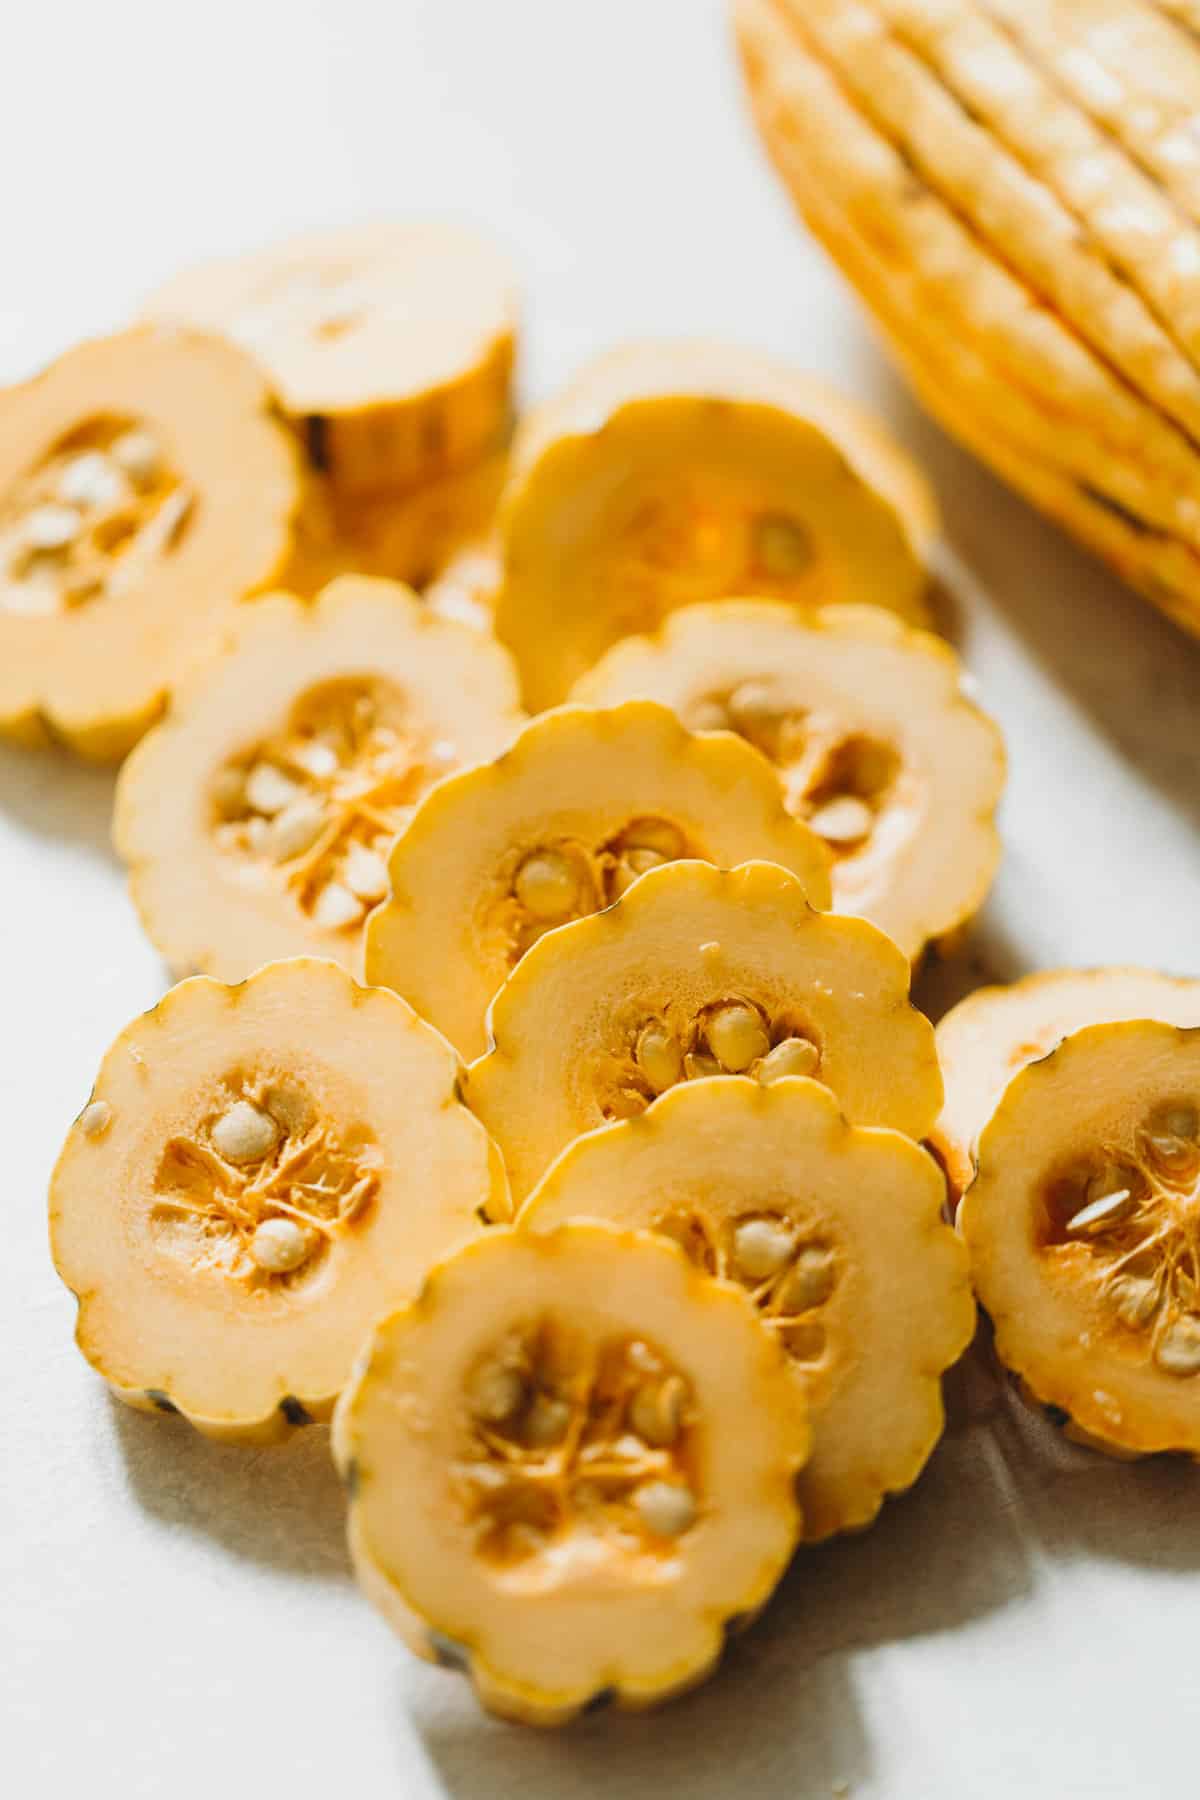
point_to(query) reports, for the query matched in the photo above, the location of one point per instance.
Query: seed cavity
(783, 548)
(561, 1434)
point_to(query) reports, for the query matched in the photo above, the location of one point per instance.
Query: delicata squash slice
(984, 1040)
(145, 489)
(880, 750)
(674, 473)
(571, 1465)
(696, 972)
(260, 1173)
(258, 817)
(837, 1234)
(390, 345)
(560, 825)
(1083, 1227)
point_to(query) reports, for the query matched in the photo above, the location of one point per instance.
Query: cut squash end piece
(391, 345)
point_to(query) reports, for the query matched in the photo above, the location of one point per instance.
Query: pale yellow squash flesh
(836, 1230)
(547, 1616)
(687, 943)
(1082, 1225)
(671, 474)
(873, 734)
(358, 701)
(595, 797)
(993, 1033)
(153, 1215)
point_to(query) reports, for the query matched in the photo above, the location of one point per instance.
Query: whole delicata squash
(1083, 1227)
(836, 1232)
(391, 345)
(560, 825)
(674, 473)
(261, 1171)
(880, 750)
(695, 972)
(258, 817)
(986, 1038)
(1012, 189)
(145, 489)
(511, 1510)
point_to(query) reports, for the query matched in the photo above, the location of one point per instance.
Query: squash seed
(336, 907)
(95, 1118)
(656, 1412)
(659, 1057)
(244, 1134)
(296, 828)
(1178, 1349)
(842, 821)
(280, 1245)
(546, 885)
(809, 1282)
(737, 1036)
(496, 1393)
(1098, 1214)
(791, 1056)
(761, 1247)
(365, 874)
(666, 1508)
(269, 790)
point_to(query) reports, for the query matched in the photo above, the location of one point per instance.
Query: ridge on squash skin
(260, 1170)
(838, 1233)
(257, 818)
(549, 1342)
(377, 408)
(126, 546)
(697, 958)
(1081, 1224)
(568, 817)
(861, 714)
(989, 1036)
(713, 445)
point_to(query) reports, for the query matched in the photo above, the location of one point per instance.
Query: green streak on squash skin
(162, 1401)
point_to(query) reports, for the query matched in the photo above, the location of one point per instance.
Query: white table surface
(177, 1619)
